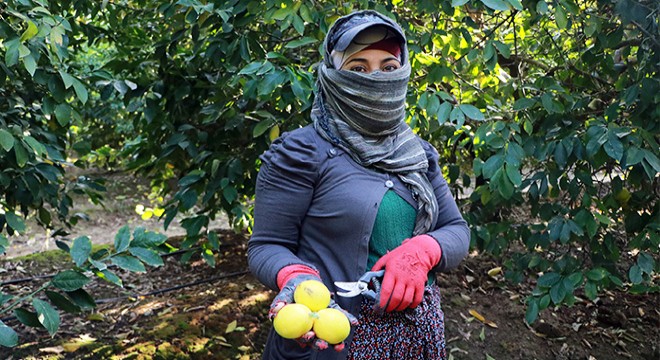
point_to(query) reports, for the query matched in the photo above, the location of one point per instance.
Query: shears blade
(352, 288)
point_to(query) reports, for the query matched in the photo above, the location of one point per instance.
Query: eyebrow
(363, 60)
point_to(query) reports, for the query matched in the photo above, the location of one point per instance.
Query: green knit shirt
(394, 223)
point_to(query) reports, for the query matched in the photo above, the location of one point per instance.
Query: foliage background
(546, 106)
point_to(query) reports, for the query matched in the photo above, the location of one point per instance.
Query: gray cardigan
(314, 205)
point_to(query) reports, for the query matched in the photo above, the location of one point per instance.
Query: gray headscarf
(364, 114)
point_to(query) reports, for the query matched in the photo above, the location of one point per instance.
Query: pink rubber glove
(288, 278)
(406, 272)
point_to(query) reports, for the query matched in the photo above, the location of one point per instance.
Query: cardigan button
(389, 184)
(332, 152)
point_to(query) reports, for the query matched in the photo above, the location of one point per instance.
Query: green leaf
(635, 274)
(596, 274)
(591, 290)
(15, 222)
(433, 104)
(110, 277)
(30, 32)
(558, 293)
(99, 265)
(8, 337)
(149, 257)
(66, 79)
(504, 186)
(652, 159)
(30, 64)
(457, 3)
(457, 117)
(300, 42)
(122, 239)
(82, 247)
(81, 298)
(69, 280)
(613, 147)
(251, 68)
(6, 140)
(496, 4)
(443, 112)
(11, 54)
(560, 17)
(513, 174)
(489, 51)
(63, 114)
(645, 262)
(491, 165)
(4, 244)
(213, 240)
(262, 127)
(634, 155)
(62, 302)
(551, 105)
(207, 254)
(472, 112)
(48, 316)
(230, 194)
(4, 298)
(21, 154)
(604, 219)
(38, 147)
(81, 90)
(516, 4)
(548, 280)
(128, 263)
(523, 103)
(149, 239)
(502, 47)
(532, 312)
(27, 317)
(544, 302)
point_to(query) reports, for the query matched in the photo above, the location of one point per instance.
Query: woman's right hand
(285, 296)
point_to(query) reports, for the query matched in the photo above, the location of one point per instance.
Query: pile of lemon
(311, 312)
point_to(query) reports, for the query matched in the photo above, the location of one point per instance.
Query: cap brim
(346, 38)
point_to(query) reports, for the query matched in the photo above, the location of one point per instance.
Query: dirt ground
(192, 311)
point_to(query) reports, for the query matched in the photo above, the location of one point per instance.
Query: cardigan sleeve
(451, 230)
(284, 190)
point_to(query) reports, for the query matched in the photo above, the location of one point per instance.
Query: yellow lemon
(331, 325)
(293, 321)
(313, 294)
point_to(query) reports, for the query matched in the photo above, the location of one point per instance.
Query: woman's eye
(390, 67)
(358, 69)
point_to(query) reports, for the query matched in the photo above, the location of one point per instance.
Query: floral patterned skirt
(417, 333)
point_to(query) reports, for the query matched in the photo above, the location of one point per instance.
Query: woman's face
(367, 61)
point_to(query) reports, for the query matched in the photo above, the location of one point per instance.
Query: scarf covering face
(364, 114)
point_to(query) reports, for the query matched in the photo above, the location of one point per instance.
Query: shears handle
(374, 277)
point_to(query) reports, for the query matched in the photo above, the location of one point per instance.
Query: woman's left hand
(406, 272)
(285, 296)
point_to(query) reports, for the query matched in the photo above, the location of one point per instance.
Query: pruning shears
(362, 286)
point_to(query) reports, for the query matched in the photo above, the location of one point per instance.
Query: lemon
(293, 321)
(623, 196)
(313, 294)
(331, 325)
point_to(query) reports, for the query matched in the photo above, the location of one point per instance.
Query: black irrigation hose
(165, 290)
(48, 276)
(159, 291)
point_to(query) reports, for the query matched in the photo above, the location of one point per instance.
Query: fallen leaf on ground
(481, 318)
(52, 350)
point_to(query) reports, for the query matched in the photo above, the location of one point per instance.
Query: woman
(355, 191)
